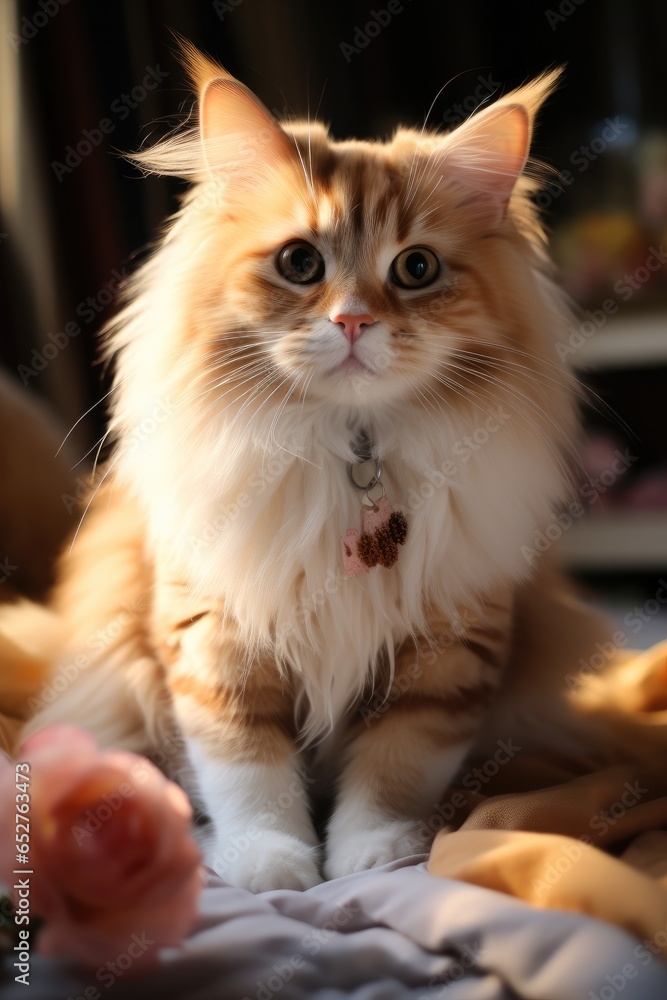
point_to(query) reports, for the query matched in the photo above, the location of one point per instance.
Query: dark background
(64, 68)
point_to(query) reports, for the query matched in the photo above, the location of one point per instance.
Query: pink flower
(115, 869)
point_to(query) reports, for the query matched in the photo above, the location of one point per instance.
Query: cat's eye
(414, 268)
(301, 263)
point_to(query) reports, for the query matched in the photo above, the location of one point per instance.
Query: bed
(525, 896)
(394, 932)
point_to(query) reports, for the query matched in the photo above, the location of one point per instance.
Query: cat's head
(310, 288)
(359, 274)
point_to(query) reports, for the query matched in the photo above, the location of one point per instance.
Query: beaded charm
(376, 544)
(382, 530)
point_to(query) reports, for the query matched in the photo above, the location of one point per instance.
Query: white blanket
(395, 932)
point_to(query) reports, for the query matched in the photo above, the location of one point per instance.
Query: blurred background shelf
(626, 342)
(632, 541)
(625, 363)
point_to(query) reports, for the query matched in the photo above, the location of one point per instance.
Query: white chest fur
(261, 530)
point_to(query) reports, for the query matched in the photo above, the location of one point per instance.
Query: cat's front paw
(274, 860)
(356, 850)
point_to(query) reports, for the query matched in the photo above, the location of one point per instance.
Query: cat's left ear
(239, 135)
(489, 151)
(237, 140)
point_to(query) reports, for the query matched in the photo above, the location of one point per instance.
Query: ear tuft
(199, 67)
(532, 95)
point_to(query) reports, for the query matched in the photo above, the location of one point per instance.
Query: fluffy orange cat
(320, 312)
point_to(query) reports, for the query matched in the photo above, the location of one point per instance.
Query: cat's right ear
(240, 137)
(488, 152)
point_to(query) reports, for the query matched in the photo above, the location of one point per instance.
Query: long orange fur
(205, 587)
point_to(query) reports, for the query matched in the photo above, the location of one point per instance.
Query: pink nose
(353, 326)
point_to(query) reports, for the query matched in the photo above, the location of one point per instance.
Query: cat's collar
(382, 529)
(362, 446)
(363, 449)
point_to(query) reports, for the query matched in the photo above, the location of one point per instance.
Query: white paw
(271, 860)
(357, 850)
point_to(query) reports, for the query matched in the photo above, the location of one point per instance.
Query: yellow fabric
(546, 828)
(21, 677)
(555, 872)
